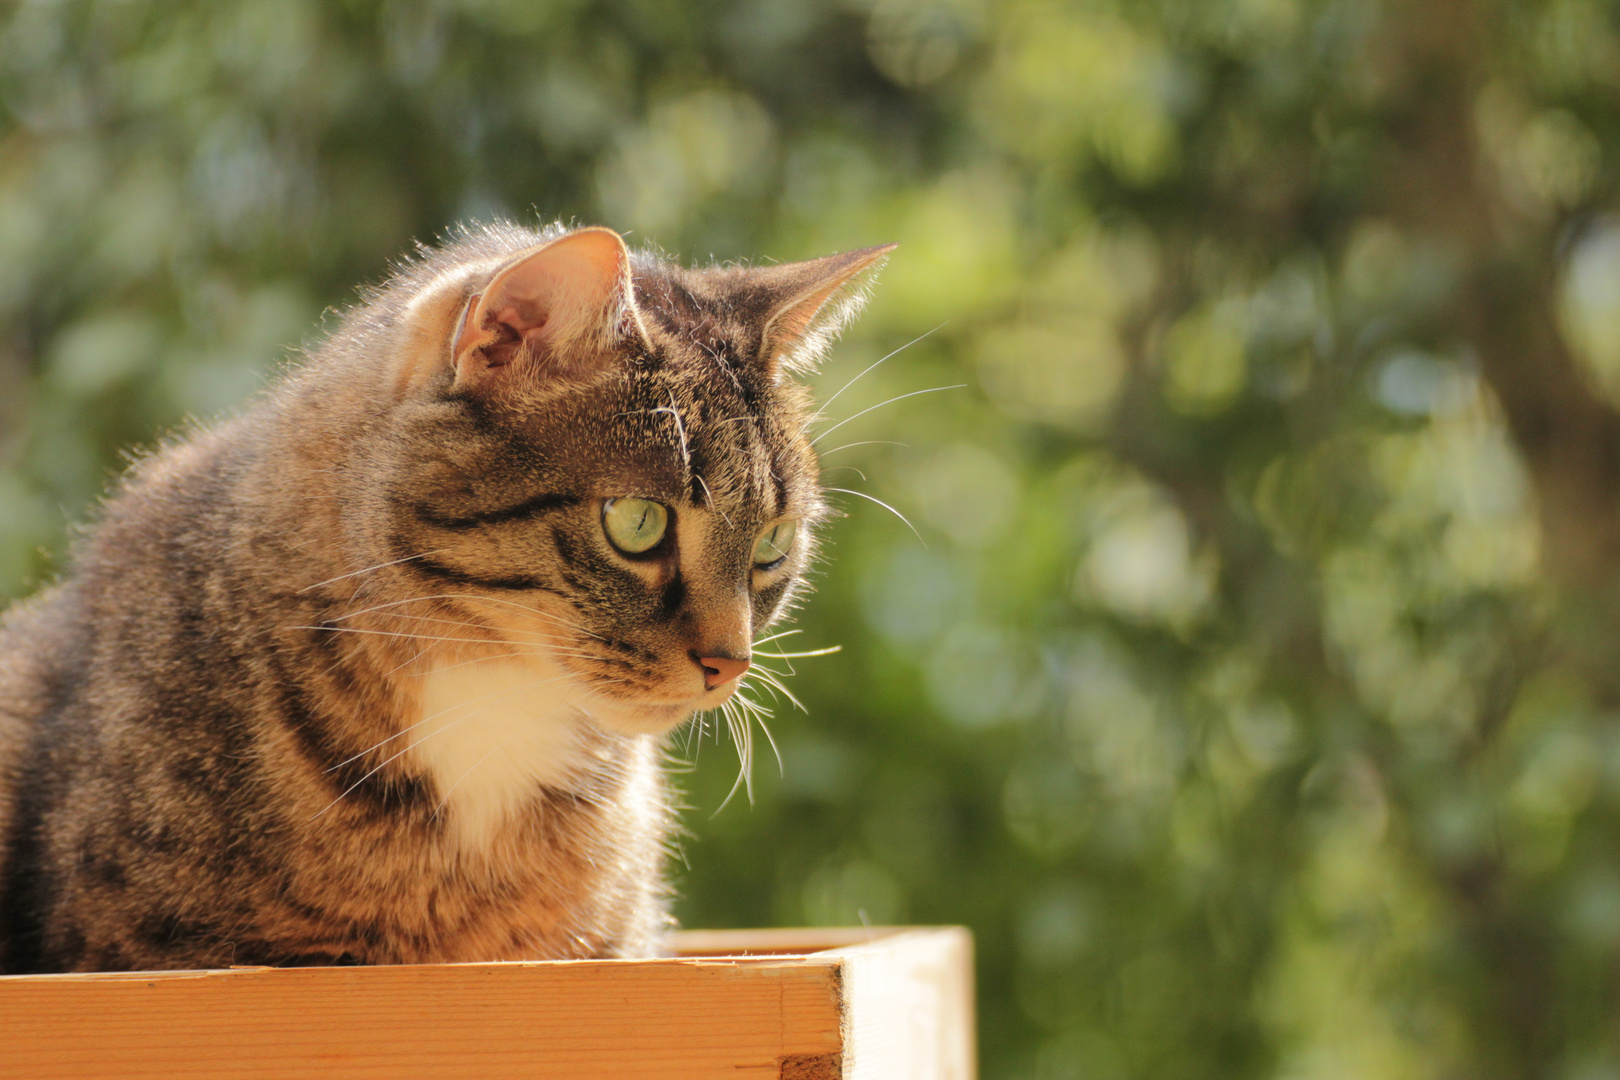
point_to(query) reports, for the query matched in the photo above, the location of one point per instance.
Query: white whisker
(879, 405)
(864, 442)
(761, 714)
(769, 680)
(862, 375)
(367, 570)
(529, 608)
(886, 506)
(402, 634)
(535, 611)
(544, 639)
(745, 757)
(828, 651)
(445, 799)
(680, 428)
(709, 498)
(773, 637)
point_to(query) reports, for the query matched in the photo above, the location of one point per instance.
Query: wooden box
(879, 1004)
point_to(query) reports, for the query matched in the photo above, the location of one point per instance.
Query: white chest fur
(490, 735)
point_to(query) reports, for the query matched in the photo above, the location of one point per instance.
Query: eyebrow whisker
(858, 378)
(879, 405)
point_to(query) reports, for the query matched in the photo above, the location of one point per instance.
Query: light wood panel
(889, 1003)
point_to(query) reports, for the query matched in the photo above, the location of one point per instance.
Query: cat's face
(605, 467)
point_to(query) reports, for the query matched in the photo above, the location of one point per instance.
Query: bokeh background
(1251, 687)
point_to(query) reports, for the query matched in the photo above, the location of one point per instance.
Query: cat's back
(37, 658)
(47, 652)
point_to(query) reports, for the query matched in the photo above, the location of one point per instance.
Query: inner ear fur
(810, 302)
(557, 309)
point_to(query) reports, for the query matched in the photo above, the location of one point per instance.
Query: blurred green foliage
(1252, 691)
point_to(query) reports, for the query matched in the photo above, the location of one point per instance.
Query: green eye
(634, 525)
(774, 544)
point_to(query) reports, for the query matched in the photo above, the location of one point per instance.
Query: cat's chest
(490, 734)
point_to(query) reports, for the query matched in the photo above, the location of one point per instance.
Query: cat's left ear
(811, 302)
(559, 309)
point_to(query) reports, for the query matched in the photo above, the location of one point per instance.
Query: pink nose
(719, 670)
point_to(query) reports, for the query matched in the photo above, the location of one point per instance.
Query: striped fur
(356, 676)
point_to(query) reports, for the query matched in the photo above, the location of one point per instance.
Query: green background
(1251, 689)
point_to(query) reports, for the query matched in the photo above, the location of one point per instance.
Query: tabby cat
(381, 670)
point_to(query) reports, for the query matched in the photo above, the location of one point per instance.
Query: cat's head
(603, 457)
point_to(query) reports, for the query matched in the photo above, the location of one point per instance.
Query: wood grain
(809, 1015)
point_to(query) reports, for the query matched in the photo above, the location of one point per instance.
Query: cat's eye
(774, 544)
(634, 526)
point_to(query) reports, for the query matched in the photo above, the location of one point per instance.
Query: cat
(380, 671)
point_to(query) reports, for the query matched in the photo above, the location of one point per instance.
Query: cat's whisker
(874, 365)
(886, 506)
(529, 608)
(474, 597)
(690, 735)
(490, 659)
(384, 609)
(850, 468)
(879, 405)
(423, 651)
(541, 649)
(401, 634)
(863, 442)
(765, 640)
(828, 651)
(444, 800)
(766, 678)
(708, 496)
(435, 619)
(742, 736)
(500, 632)
(779, 634)
(533, 611)
(760, 715)
(368, 570)
(680, 429)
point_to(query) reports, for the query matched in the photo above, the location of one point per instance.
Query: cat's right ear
(557, 310)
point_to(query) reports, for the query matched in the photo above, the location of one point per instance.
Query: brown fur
(206, 748)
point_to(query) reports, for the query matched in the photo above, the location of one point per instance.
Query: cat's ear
(809, 303)
(557, 309)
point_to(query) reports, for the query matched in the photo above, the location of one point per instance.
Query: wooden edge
(680, 1019)
(908, 1006)
(849, 1003)
(784, 944)
(788, 941)
(762, 957)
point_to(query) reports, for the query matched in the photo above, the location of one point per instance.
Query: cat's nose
(719, 670)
